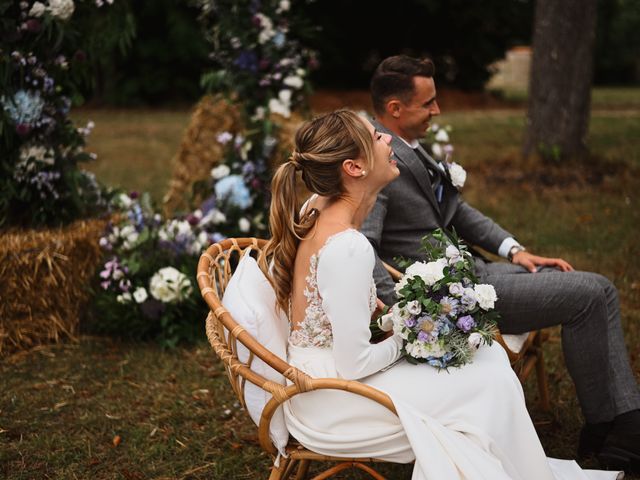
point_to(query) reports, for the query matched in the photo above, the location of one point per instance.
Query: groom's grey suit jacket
(407, 209)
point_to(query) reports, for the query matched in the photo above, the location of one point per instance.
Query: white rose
(284, 5)
(458, 175)
(442, 136)
(124, 200)
(385, 322)
(285, 96)
(486, 296)
(129, 233)
(220, 171)
(182, 228)
(169, 285)
(437, 151)
(140, 295)
(124, 298)
(258, 114)
(293, 81)
(429, 272)
(63, 9)
(279, 108)
(413, 307)
(244, 225)
(37, 10)
(475, 339)
(452, 252)
(400, 285)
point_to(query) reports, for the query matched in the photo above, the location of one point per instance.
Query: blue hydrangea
(25, 107)
(233, 190)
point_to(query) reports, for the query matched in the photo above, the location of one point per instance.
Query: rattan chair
(215, 269)
(525, 360)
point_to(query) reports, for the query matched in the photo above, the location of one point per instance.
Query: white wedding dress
(469, 423)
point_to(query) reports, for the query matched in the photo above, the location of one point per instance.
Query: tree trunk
(560, 82)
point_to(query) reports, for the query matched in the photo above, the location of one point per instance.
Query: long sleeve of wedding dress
(345, 286)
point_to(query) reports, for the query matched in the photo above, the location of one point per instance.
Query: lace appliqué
(315, 329)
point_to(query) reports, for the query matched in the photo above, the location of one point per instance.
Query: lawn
(104, 409)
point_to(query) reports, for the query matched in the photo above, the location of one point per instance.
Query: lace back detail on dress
(315, 329)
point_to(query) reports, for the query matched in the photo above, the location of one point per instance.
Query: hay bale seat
(44, 279)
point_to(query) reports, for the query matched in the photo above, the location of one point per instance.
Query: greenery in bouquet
(260, 63)
(46, 52)
(437, 143)
(147, 286)
(443, 313)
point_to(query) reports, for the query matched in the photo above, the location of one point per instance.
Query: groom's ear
(393, 107)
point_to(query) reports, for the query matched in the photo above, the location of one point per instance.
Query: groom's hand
(532, 262)
(379, 309)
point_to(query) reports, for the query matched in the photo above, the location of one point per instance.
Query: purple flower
(105, 284)
(424, 336)
(466, 323)
(410, 322)
(193, 219)
(124, 285)
(247, 60)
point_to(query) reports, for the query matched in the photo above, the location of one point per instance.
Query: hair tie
(293, 159)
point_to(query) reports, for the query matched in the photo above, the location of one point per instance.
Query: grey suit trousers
(587, 304)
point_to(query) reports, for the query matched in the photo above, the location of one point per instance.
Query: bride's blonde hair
(321, 145)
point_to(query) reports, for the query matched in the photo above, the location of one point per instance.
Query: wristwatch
(513, 250)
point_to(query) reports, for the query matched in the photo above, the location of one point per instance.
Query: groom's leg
(580, 302)
(625, 386)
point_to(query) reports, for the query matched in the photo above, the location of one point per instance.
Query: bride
(469, 423)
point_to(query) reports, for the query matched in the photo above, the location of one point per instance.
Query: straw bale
(45, 277)
(199, 151)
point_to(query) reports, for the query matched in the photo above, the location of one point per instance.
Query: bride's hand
(380, 306)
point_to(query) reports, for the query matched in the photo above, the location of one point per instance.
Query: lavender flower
(466, 323)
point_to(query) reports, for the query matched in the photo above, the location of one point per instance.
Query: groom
(534, 292)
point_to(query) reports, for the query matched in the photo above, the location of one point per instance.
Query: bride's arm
(344, 282)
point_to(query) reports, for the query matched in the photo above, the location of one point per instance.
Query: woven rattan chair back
(215, 268)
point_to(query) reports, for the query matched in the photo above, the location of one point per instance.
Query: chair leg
(277, 473)
(303, 469)
(541, 377)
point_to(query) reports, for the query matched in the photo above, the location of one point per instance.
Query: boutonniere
(457, 174)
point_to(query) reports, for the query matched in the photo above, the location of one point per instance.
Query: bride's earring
(363, 174)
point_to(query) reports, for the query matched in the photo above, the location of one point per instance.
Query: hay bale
(45, 278)
(199, 151)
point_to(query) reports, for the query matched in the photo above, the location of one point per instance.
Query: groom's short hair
(394, 78)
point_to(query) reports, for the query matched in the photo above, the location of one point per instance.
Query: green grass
(62, 406)
(135, 147)
(601, 97)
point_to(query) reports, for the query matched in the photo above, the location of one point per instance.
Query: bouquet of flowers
(443, 313)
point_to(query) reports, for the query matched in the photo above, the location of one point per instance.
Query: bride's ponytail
(287, 229)
(321, 145)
